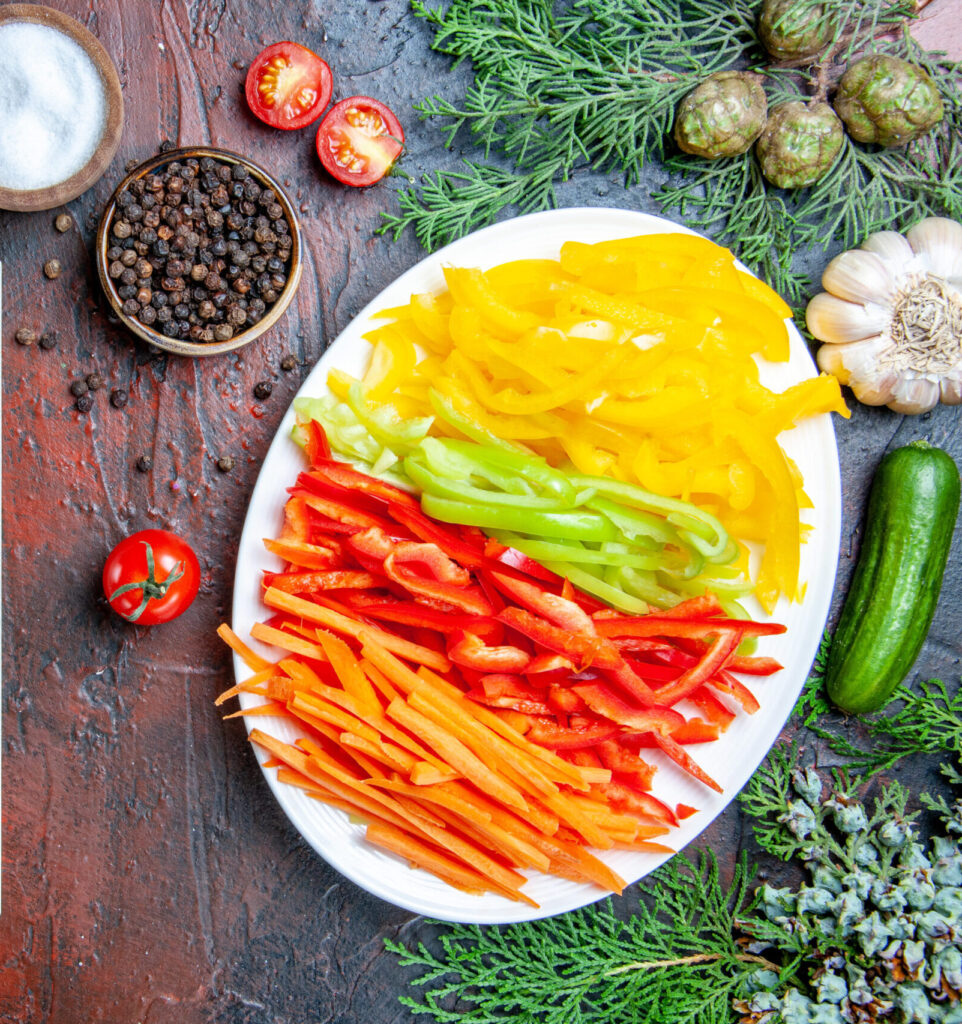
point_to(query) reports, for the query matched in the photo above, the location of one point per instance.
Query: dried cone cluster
(880, 99)
(891, 317)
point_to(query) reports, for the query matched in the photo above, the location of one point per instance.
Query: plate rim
(633, 222)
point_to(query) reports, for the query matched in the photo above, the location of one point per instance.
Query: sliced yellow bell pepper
(634, 359)
(470, 288)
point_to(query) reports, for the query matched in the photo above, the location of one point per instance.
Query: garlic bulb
(891, 317)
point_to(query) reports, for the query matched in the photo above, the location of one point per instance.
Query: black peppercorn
(48, 340)
(204, 223)
(225, 463)
(289, 363)
(144, 463)
(118, 398)
(263, 389)
(94, 381)
(84, 403)
(78, 388)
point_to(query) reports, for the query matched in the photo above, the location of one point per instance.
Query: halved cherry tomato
(151, 577)
(359, 140)
(288, 86)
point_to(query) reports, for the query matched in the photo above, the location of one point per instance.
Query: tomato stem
(152, 588)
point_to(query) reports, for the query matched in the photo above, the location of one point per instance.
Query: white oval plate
(731, 760)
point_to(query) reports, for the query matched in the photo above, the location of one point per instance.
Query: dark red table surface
(148, 874)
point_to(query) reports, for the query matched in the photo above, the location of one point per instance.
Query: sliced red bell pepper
(502, 690)
(563, 700)
(629, 680)
(467, 599)
(683, 759)
(412, 613)
(370, 548)
(474, 535)
(603, 701)
(470, 651)
(692, 678)
(712, 709)
(339, 512)
(297, 524)
(316, 446)
(305, 556)
(642, 645)
(684, 811)
(556, 737)
(523, 705)
(511, 558)
(451, 543)
(628, 799)
(335, 473)
(581, 650)
(498, 684)
(727, 683)
(556, 609)
(314, 483)
(440, 566)
(696, 730)
(656, 675)
(586, 601)
(703, 607)
(549, 668)
(314, 582)
(663, 625)
(614, 756)
(753, 666)
(587, 758)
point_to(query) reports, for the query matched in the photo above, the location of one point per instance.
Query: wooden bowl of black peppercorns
(199, 251)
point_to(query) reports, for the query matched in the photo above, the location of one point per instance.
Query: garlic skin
(891, 317)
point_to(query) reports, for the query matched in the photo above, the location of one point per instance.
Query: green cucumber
(912, 509)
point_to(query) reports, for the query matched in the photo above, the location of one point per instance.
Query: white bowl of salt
(61, 110)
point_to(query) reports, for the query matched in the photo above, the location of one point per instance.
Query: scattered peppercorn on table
(148, 872)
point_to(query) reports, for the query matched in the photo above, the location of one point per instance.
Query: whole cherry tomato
(288, 86)
(359, 140)
(151, 577)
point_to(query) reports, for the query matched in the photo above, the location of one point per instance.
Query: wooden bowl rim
(176, 345)
(32, 200)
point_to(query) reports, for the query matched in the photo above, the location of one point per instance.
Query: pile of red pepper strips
(570, 675)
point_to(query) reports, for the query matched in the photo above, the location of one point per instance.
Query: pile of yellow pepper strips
(632, 359)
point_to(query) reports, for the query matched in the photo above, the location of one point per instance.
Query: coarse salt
(52, 106)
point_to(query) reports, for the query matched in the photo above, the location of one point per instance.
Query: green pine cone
(799, 143)
(789, 29)
(722, 116)
(886, 100)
